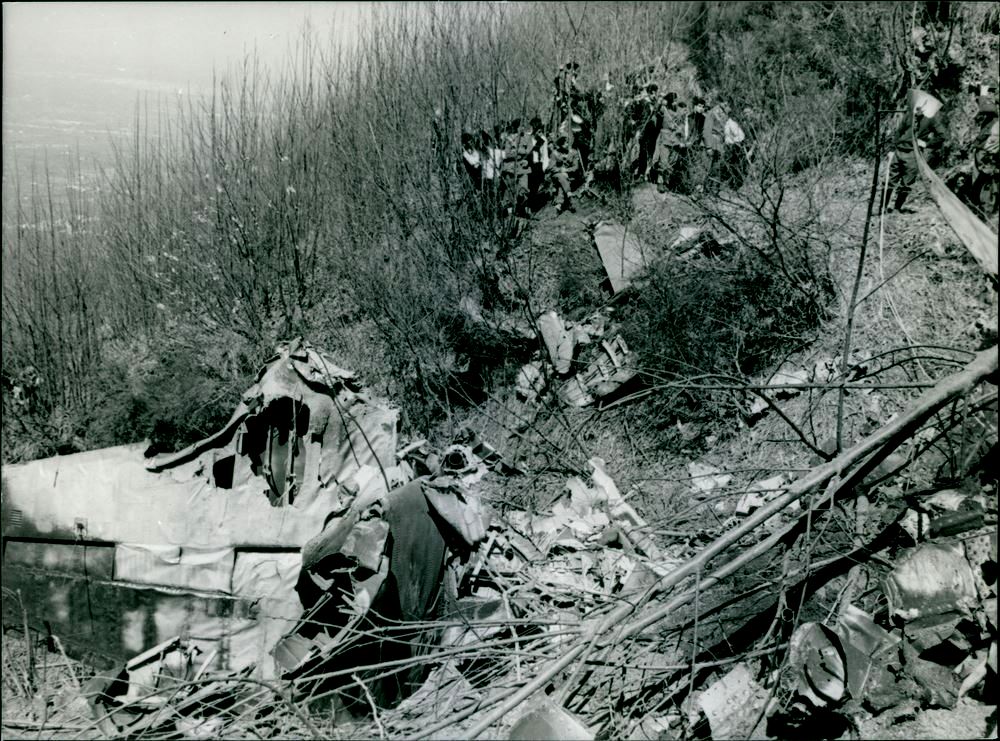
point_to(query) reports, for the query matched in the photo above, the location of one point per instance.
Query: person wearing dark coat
(539, 161)
(667, 170)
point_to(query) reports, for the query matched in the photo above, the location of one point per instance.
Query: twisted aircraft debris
(260, 547)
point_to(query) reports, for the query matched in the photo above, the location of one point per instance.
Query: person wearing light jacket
(925, 126)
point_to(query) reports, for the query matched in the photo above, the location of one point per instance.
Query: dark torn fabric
(417, 550)
(406, 533)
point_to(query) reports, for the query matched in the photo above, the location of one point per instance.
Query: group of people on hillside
(673, 138)
(514, 162)
(679, 142)
(662, 138)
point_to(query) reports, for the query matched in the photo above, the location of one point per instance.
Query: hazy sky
(73, 71)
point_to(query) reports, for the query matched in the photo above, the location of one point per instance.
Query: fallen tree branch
(28, 725)
(876, 447)
(978, 238)
(866, 455)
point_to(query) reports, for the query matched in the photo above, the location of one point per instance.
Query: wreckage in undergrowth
(286, 533)
(380, 576)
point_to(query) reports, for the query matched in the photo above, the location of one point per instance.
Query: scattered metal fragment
(706, 477)
(614, 366)
(735, 706)
(559, 339)
(931, 579)
(623, 255)
(760, 493)
(819, 664)
(530, 380)
(550, 721)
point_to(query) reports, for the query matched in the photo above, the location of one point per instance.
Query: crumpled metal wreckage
(292, 542)
(940, 636)
(383, 562)
(284, 533)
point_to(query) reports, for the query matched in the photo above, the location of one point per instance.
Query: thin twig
(853, 303)
(371, 704)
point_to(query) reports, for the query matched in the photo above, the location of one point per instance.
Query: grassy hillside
(325, 200)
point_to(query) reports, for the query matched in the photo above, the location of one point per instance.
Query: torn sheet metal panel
(272, 574)
(208, 569)
(735, 706)
(331, 540)
(828, 666)
(351, 603)
(395, 532)
(614, 365)
(932, 579)
(819, 664)
(108, 495)
(550, 721)
(61, 559)
(177, 529)
(465, 514)
(623, 255)
(857, 629)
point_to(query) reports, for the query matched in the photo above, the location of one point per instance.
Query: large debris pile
(424, 609)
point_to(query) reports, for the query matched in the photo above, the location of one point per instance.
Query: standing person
(492, 159)
(576, 109)
(713, 139)
(567, 171)
(539, 161)
(567, 90)
(683, 167)
(644, 126)
(670, 145)
(472, 159)
(508, 143)
(522, 169)
(506, 154)
(734, 158)
(492, 164)
(925, 126)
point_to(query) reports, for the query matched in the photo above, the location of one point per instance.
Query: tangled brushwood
(675, 402)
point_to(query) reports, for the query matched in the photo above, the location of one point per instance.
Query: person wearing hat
(924, 126)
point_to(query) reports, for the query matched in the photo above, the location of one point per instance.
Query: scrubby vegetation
(327, 200)
(324, 200)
